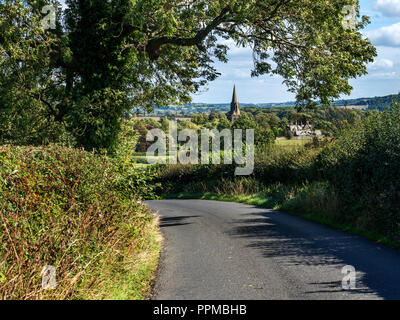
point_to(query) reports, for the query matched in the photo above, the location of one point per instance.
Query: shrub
(363, 165)
(191, 178)
(286, 166)
(65, 207)
(317, 198)
(271, 166)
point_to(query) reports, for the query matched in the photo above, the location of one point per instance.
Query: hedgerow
(72, 210)
(363, 166)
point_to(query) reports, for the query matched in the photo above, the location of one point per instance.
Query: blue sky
(383, 77)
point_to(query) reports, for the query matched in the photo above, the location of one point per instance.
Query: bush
(363, 165)
(318, 199)
(191, 178)
(286, 166)
(67, 208)
(271, 166)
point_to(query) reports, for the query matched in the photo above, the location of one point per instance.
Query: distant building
(234, 114)
(303, 130)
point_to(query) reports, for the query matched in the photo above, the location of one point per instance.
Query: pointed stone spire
(234, 98)
(234, 114)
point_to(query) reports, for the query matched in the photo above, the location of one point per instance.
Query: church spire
(234, 98)
(234, 114)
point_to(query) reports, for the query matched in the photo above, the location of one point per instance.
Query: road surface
(218, 250)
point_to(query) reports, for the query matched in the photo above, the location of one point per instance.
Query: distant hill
(192, 108)
(370, 103)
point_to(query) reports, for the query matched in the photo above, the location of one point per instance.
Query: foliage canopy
(106, 57)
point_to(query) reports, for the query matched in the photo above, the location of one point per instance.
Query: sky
(383, 76)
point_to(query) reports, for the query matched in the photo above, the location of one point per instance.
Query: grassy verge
(80, 213)
(272, 202)
(126, 275)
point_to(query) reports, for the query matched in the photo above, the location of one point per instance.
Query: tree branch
(153, 47)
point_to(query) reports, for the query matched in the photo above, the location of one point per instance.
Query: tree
(214, 115)
(262, 120)
(354, 118)
(27, 89)
(262, 136)
(165, 124)
(200, 119)
(299, 117)
(182, 125)
(268, 120)
(223, 122)
(142, 128)
(106, 57)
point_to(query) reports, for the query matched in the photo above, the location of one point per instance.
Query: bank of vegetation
(81, 213)
(351, 182)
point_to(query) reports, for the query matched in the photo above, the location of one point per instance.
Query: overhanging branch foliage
(106, 57)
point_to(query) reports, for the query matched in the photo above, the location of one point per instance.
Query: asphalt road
(219, 250)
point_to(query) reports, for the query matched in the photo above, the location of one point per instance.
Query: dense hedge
(182, 178)
(272, 166)
(363, 166)
(288, 167)
(70, 209)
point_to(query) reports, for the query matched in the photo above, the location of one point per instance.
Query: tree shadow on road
(294, 242)
(175, 221)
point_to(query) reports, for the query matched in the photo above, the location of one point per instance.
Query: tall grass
(67, 208)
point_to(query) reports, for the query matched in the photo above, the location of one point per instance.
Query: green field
(292, 144)
(141, 159)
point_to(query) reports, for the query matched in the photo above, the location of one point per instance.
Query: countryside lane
(219, 250)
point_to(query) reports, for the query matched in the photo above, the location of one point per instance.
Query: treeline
(268, 124)
(374, 103)
(263, 125)
(330, 120)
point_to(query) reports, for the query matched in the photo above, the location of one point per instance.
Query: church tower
(234, 114)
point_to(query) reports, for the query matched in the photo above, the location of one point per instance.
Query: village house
(303, 130)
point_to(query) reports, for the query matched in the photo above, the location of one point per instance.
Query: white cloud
(389, 8)
(236, 50)
(381, 64)
(385, 67)
(386, 36)
(237, 73)
(384, 75)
